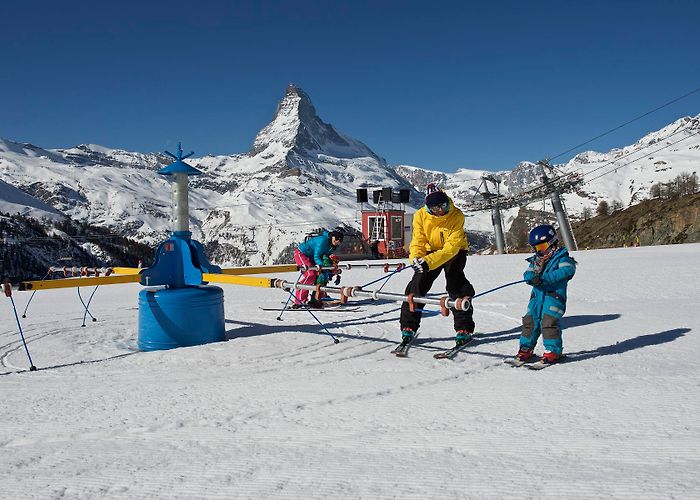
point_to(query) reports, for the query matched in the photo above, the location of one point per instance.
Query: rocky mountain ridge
(650, 222)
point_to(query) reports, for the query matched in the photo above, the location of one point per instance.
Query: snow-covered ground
(279, 411)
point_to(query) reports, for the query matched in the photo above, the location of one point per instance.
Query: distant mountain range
(301, 173)
(621, 175)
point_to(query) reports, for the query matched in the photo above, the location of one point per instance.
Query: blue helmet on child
(543, 234)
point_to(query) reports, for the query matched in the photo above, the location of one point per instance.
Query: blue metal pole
(86, 306)
(335, 340)
(286, 304)
(8, 292)
(24, 314)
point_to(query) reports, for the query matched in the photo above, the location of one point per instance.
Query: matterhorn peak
(298, 133)
(297, 101)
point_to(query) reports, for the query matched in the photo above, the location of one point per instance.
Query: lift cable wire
(627, 123)
(524, 194)
(637, 159)
(640, 150)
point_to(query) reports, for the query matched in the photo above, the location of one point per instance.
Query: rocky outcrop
(651, 222)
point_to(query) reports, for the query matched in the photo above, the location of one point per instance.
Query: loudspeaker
(376, 195)
(361, 196)
(386, 194)
(395, 197)
(404, 195)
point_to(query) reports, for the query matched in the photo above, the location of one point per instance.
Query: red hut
(385, 231)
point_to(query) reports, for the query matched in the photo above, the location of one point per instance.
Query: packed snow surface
(280, 411)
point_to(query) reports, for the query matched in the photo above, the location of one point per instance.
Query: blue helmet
(543, 234)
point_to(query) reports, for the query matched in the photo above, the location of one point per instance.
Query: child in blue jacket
(313, 252)
(549, 272)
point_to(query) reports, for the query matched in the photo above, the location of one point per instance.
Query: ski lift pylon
(250, 246)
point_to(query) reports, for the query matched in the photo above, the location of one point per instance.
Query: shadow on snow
(76, 363)
(629, 344)
(586, 319)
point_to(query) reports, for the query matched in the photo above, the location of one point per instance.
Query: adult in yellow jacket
(439, 243)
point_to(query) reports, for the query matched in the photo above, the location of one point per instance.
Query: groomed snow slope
(279, 411)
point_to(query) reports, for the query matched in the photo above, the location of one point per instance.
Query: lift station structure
(386, 226)
(552, 187)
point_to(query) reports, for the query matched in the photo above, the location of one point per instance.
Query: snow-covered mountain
(13, 200)
(301, 173)
(101, 186)
(624, 175)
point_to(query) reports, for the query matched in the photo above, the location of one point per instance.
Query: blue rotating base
(180, 317)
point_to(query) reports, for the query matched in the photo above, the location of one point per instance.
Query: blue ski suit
(314, 251)
(547, 300)
(318, 247)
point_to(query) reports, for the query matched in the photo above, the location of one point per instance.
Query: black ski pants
(457, 286)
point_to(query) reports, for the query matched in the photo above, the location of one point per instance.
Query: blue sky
(440, 85)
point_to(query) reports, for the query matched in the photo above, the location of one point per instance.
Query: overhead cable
(627, 122)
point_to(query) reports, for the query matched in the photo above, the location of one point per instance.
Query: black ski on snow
(402, 350)
(451, 353)
(322, 309)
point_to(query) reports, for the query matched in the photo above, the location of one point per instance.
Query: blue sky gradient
(440, 85)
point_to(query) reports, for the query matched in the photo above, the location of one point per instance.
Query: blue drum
(180, 317)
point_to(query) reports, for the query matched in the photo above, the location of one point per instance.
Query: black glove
(337, 279)
(419, 265)
(535, 280)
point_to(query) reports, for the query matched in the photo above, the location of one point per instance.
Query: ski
(323, 309)
(451, 353)
(541, 365)
(326, 303)
(516, 362)
(402, 350)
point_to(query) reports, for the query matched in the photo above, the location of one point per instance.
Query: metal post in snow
(291, 295)
(8, 292)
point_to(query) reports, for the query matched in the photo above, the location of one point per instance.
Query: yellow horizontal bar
(76, 282)
(280, 268)
(238, 280)
(127, 270)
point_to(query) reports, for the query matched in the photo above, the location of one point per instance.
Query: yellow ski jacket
(438, 239)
